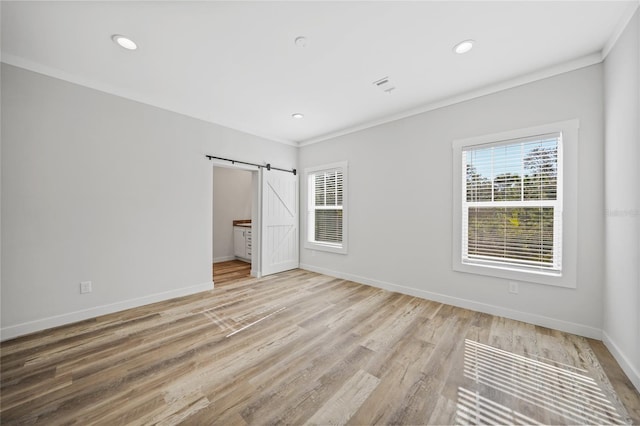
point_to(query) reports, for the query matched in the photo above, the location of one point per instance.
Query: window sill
(551, 278)
(331, 248)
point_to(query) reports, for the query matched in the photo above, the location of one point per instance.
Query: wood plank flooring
(300, 347)
(230, 271)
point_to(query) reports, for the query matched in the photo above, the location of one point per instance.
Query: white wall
(622, 202)
(232, 195)
(400, 202)
(96, 187)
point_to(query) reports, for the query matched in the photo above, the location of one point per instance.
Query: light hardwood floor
(230, 271)
(300, 347)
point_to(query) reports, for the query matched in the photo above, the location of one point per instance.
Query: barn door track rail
(267, 166)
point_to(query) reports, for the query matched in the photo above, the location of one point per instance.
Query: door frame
(256, 211)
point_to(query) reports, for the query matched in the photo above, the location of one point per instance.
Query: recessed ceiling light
(463, 46)
(300, 41)
(297, 115)
(125, 42)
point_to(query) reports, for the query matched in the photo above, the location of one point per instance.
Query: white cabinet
(242, 242)
(239, 245)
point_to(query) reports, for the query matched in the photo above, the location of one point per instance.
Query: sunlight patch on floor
(256, 322)
(475, 409)
(562, 391)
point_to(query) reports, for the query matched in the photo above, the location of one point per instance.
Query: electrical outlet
(513, 287)
(85, 287)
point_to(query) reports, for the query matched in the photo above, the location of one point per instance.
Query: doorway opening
(235, 237)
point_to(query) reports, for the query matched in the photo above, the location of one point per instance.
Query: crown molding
(562, 68)
(622, 24)
(20, 62)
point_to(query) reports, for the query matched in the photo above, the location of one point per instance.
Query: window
(326, 214)
(512, 209)
(509, 206)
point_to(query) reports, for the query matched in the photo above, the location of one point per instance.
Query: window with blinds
(326, 208)
(512, 204)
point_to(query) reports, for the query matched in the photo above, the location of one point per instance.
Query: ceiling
(235, 63)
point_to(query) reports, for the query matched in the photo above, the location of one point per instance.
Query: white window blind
(326, 194)
(512, 204)
(327, 207)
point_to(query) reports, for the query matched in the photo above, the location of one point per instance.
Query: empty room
(320, 212)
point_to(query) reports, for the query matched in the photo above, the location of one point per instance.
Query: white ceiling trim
(631, 10)
(508, 84)
(112, 90)
(573, 65)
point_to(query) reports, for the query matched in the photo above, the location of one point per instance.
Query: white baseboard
(566, 326)
(223, 259)
(623, 361)
(12, 331)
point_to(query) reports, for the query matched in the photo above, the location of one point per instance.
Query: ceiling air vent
(384, 84)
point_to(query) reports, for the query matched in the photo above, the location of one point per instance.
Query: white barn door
(279, 221)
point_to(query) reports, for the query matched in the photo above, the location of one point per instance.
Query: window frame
(567, 199)
(309, 242)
